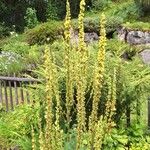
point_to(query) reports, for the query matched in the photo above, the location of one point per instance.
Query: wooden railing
(14, 90)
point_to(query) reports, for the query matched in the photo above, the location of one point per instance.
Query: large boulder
(134, 37)
(138, 37)
(88, 37)
(145, 55)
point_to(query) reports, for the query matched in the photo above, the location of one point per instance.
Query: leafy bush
(144, 5)
(19, 55)
(127, 11)
(45, 33)
(15, 127)
(51, 11)
(4, 31)
(30, 18)
(100, 5)
(10, 63)
(145, 26)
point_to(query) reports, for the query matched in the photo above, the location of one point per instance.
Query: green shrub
(4, 31)
(127, 11)
(92, 24)
(17, 47)
(45, 33)
(11, 64)
(15, 127)
(51, 11)
(100, 5)
(144, 5)
(30, 18)
(145, 26)
(19, 55)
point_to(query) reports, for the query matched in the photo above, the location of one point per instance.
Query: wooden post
(11, 96)
(6, 96)
(21, 91)
(16, 92)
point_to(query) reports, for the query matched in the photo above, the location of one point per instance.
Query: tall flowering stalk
(49, 100)
(41, 135)
(33, 138)
(98, 79)
(68, 63)
(58, 133)
(81, 77)
(111, 102)
(53, 133)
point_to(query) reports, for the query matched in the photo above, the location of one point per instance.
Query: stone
(122, 34)
(133, 37)
(136, 37)
(145, 55)
(88, 37)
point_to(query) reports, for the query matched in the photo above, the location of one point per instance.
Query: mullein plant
(53, 133)
(76, 63)
(105, 124)
(81, 80)
(49, 100)
(33, 138)
(97, 82)
(68, 65)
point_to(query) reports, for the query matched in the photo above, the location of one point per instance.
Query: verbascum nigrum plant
(99, 136)
(81, 78)
(49, 100)
(58, 132)
(41, 135)
(53, 133)
(33, 138)
(110, 104)
(98, 80)
(68, 64)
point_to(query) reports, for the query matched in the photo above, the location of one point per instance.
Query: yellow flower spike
(33, 139)
(53, 133)
(49, 103)
(68, 64)
(98, 80)
(81, 79)
(41, 136)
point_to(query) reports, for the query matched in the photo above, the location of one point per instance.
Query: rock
(88, 38)
(134, 37)
(138, 37)
(145, 55)
(122, 34)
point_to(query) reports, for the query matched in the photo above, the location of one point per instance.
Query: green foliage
(45, 33)
(127, 11)
(30, 18)
(51, 11)
(100, 5)
(145, 26)
(11, 64)
(144, 5)
(4, 31)
(18, 55)
(15, 127)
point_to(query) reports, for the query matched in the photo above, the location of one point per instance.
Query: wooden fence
(14, 90)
